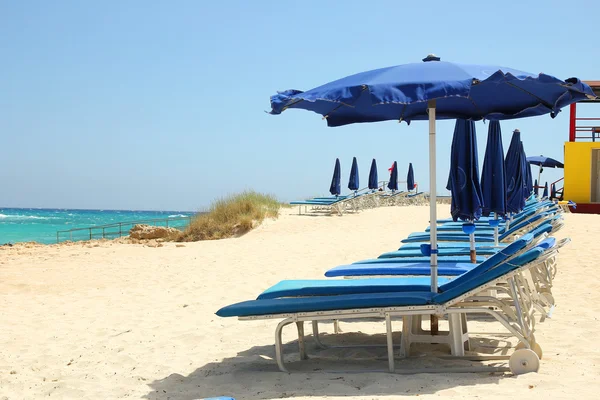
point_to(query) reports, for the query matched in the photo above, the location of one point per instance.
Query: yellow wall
(578, 171)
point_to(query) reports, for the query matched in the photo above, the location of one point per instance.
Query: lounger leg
(301, 346)
(457, 344)
(279, 345)
(465, 332)
(316, 337)
(405, 338)
(336, 326)
(390, 342)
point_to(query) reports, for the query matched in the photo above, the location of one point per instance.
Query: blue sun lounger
(455, 301)
(329, 287)
(423, 267)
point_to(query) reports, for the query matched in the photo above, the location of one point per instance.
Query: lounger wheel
(548, 296)
(537, 349)
(524, 361)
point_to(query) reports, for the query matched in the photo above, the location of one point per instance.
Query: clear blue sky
(159, 105)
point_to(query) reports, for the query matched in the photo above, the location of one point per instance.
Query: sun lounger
(454, 302)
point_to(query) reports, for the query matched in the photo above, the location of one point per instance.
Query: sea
(41, 225)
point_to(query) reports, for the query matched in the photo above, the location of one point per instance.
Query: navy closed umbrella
(545, 193)
(373, 181)
(493, 177)
(410, 178)
(336, 181)
(536, 188)
(463, 182)
(435, 90)
(515, 175)
(393, 183)
(353, 183)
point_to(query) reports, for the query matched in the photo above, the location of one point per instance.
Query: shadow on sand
(253, 373)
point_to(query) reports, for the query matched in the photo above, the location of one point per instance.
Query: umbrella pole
(496, 230)
(539, 177)
(432, 208)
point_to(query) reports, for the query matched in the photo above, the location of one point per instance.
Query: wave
(177, 216)
(4, 216)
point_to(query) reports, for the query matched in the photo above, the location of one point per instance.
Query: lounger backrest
(488, 276)
(519, 226)
(490, 263)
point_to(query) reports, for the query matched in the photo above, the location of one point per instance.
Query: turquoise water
(41, 225)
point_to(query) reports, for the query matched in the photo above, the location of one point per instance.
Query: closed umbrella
(336, 181)
(463, 182)
(410, 178)
(493, 177)
(515, 175)
(393, 183)
(353, 183)
(373, 181)
(545, 193)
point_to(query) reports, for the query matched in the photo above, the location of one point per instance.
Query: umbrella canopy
(435, 90)
(410, 178)
(373, 182)
(515, 175)
(336, 181)
(393, 183)
(493, 176)
(353, 183)
(545, 162)
(462, 91)
(463, 182)
(545, 193)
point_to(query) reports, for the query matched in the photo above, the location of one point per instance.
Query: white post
(432, 197)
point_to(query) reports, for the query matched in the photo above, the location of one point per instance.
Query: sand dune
(127, 321)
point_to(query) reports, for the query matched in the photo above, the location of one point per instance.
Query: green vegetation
(231, 216)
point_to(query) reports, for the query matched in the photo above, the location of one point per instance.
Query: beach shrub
(231, 216)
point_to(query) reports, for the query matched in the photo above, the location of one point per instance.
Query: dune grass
(231, 216)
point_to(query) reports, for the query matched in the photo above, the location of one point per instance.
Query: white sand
(127, 321)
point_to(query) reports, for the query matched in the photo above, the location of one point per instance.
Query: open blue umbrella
(410, 178)
(493, 177)
(336, 181)
(435, 90)
(545, 193)
(373, 181)
(515, 175)
(463, 182)
(353, 183)
(393, 183)
(542, 162)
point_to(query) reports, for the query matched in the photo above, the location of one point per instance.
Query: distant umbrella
(373, 181)
(553, 191)
(393, 183)
(336, 181)
(536, 188)
(353, 183)
(545, 194)
(410, 178)
(542, 162)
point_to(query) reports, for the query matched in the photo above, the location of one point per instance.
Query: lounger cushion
(451, 245)
(324, 303)
(329, 287)
(442, 251)
(420, 268)
(419, 260)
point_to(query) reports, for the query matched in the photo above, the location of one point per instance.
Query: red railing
(594, 129)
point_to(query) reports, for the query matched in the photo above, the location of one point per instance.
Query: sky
(161, 105)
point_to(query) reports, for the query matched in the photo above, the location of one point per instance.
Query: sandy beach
(113, 321)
